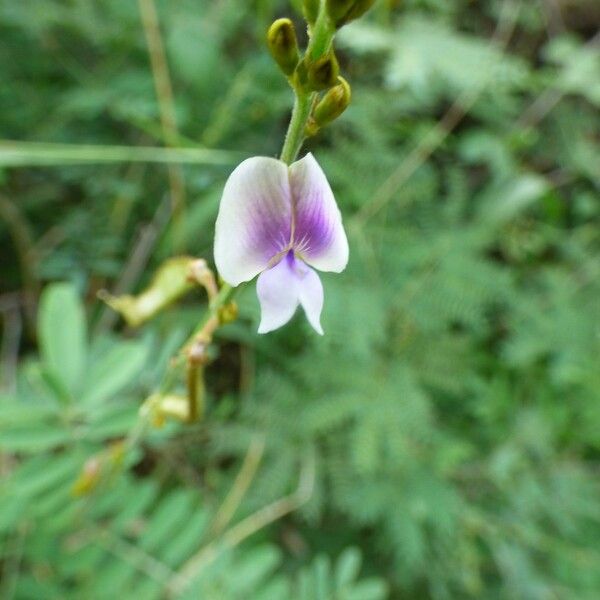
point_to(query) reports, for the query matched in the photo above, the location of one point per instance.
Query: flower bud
(283, 45)
(173, 406)
(344, 11)
(310, 8)
(228, 313)
(158, 408)
(89, 478)
(337, 9)
(333, 103)
(98, 468)
(323, 73)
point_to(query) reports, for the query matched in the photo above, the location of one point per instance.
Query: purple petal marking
(254, 220)
(282, 288)
(318, 233)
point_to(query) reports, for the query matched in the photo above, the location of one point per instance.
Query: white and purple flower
(276, 220)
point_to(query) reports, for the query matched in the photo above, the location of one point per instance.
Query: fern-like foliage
(451, 410)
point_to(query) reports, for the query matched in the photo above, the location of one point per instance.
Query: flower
(275, 220)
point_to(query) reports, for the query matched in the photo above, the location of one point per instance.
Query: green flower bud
(283, 45)
(333, 103)
(228, 313)
(310, 8)
(353, 10)
(338, 9)
(323, 73)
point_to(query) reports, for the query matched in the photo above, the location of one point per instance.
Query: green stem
(319, 43)
(322, 35)
(225, 295)
(195, 379)
(296, 130)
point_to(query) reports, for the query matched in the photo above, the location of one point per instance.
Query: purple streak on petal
(271, 225)
(281, 288)
(254, 221)
(319, 235)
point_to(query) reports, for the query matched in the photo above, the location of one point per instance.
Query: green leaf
(113, 370)
(348, 566)
(112, 423)
(15, 413)
(171, 514)
(41, 474)
(254, 568)
(427, 56)
(34, 438)
(62, 334)
(512, 198)
(186, 540)
(369, 589)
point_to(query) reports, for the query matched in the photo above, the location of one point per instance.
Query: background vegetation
(441, 441)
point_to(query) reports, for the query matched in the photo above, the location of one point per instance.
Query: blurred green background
(441, 441)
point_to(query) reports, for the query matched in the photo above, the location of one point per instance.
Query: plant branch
(320, 41)
(166, 103)
(24, 243)
(244, 529)
(240, 485)
(33, 154)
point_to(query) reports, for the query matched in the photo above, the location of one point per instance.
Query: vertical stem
(195, 395)
(320, 41)
(20, 231)
(295, 133)
(160, 70)
(166, 105)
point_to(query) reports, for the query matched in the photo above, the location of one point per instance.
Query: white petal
(277, 291)
(254, 219)
(281, 288)
(311, 298)
(319, 235)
